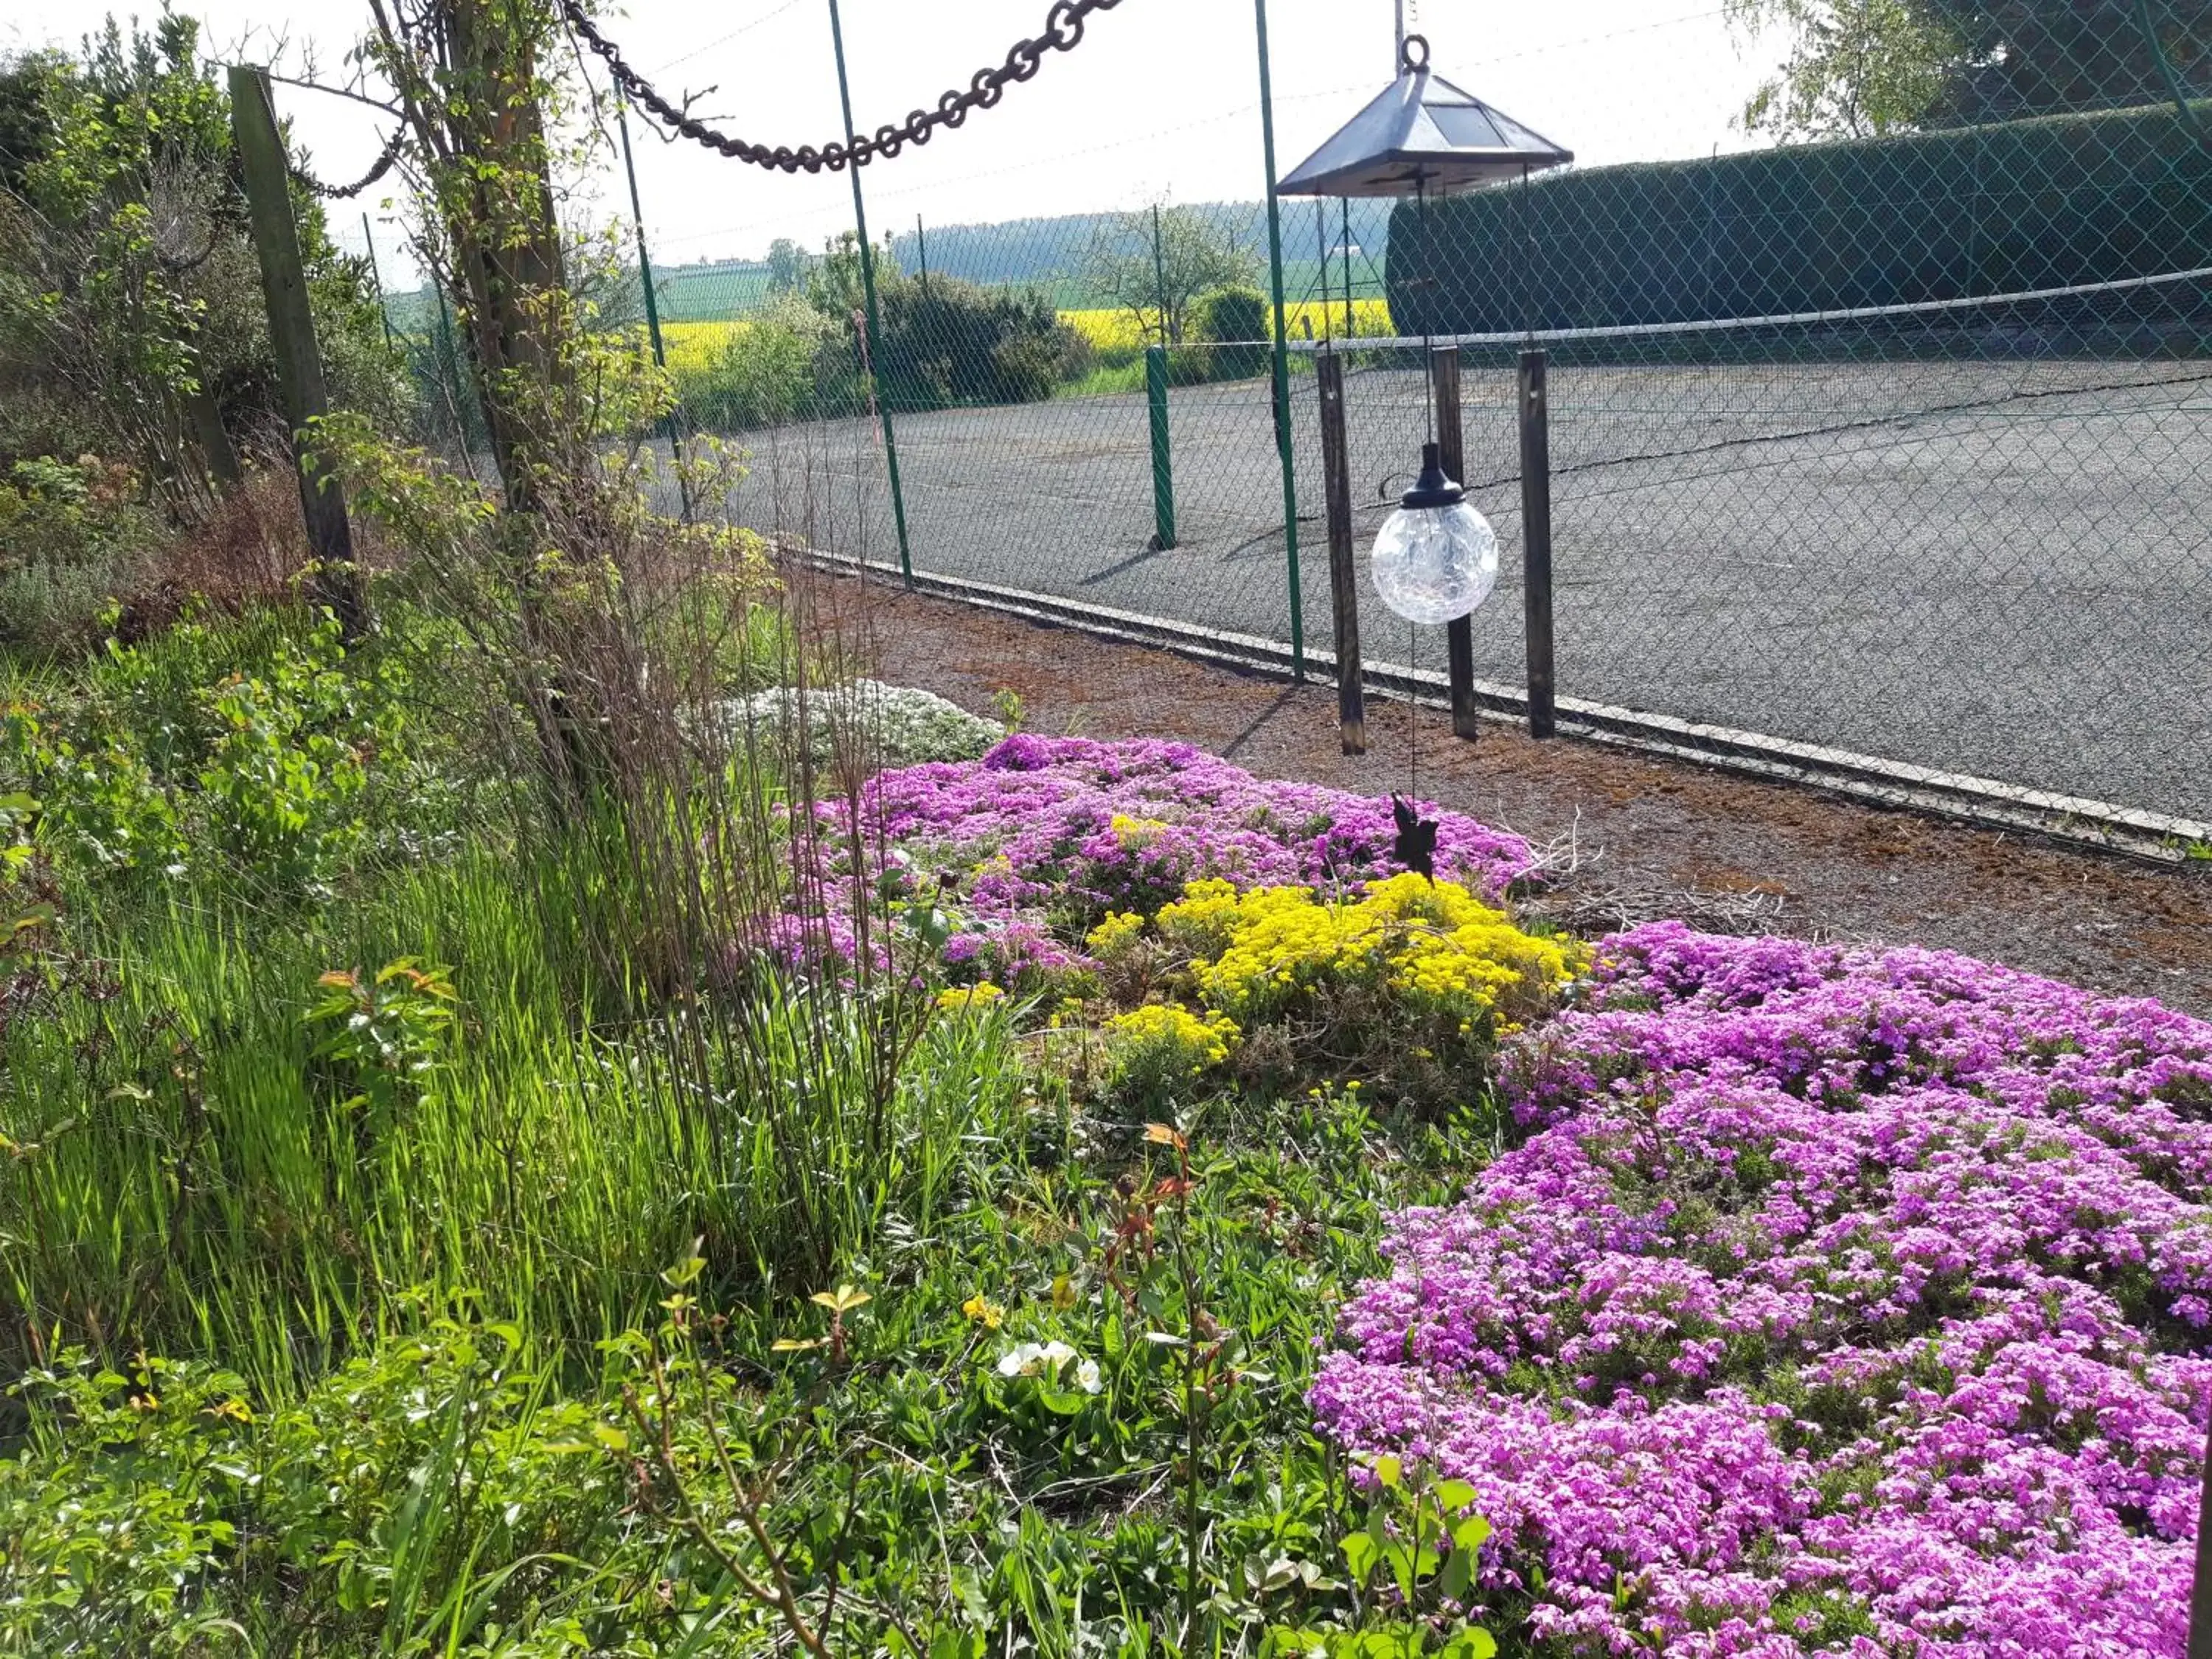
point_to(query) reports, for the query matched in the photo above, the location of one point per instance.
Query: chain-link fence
(1889, 458)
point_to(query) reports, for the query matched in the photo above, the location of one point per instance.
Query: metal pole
(1350, 319)
(1451, 450)
(1398, 59)
(1536, 541)
(868, 286)
(1156, 400)
(921, 241)
(1343, 578)
(1282, 365)
(652, 305)
(383, 315)
(1321, 246)
(1160, 272)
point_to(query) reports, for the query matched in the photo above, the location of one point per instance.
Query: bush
(70, 534)
(947, 342)
(1234, 322)
(770, 372)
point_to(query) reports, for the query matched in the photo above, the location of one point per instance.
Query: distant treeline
(2056, 202)
(1057, 251)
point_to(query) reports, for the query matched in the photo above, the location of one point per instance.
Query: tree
(1858, 69)
(130, 318)
(1869, 68)
(2024, 57)
(787, 266)
(1154, 263)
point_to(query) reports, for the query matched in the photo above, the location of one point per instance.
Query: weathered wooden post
(1451, 451)
(292, 333)
(1536, 541)
(1343, 579)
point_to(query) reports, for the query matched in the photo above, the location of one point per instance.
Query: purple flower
(1838, 1301)
(1044, 836)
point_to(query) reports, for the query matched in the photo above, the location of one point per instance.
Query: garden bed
(1651, 838)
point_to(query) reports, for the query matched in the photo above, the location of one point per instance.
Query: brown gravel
(1636, 837)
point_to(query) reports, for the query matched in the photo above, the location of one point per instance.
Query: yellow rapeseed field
(1107, 328)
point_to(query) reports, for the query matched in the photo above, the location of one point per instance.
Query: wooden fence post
(1451, 450)
(1536, 541)
(1343, 579)
(292, 333)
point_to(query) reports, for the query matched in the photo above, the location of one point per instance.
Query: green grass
(361, 1336)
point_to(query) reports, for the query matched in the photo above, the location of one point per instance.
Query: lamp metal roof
(1425, 134)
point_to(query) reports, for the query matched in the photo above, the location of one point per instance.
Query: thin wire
(724, 40)
(1414, 716)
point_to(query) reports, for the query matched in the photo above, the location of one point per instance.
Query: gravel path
(1647, 838)
(2002, 567)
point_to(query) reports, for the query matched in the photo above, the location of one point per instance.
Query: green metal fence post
(450, 360)
(868, 288)
(922, 244)
(652, 306)
(1282, 356)
(1156, 399)
(383, 314)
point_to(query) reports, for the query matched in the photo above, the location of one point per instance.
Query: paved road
(2002, 568)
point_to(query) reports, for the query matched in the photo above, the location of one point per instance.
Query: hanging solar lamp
(1436, 559)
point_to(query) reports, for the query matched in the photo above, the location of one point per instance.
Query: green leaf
(1470, 1534)
(1472, 1643)
(1361, 1552)
(1455, 1494)
(1390, 1472)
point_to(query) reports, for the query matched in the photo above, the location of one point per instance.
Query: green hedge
(2028, 205)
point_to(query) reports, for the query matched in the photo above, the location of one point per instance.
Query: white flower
(897, 724)
(1047, 1360)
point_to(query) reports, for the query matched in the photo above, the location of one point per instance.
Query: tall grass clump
(481, 960)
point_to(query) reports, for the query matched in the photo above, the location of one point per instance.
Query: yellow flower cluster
(1436, 942)
(962, 998)
(1135, 831)
(1107, 939)
(1204, 1040)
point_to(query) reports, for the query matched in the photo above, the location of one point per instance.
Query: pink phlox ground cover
(1838, 1301)
(1043, 837)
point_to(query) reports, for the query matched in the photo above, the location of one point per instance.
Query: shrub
(770, 372)
(1235, 322)
(2025, 204)
(946, 342)
(72, 535)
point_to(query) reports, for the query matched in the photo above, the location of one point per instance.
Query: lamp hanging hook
(1408, 62)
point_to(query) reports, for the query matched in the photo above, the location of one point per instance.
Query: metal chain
(1063, 31)
(315, 186)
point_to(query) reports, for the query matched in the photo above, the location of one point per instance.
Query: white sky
(1161, 99)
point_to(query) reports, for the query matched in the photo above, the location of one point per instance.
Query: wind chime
(1434, 560)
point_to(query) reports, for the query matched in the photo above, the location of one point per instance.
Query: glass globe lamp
(1436, 557)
